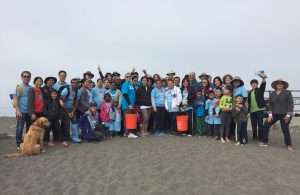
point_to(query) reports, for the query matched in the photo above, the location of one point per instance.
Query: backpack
(19, 87)
(68, 94)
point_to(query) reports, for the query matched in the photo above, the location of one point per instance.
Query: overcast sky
(212, 36)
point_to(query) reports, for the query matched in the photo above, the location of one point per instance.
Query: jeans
(241, 132)
(190, 121)
(284, 127)
(257, 120)
(20, 126)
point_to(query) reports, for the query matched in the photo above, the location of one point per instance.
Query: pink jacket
(105, 112)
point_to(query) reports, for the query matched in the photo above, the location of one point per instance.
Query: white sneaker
(131, 135)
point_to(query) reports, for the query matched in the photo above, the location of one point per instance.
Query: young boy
(200, 113)
(212, 115)
(225, 105)
(239, 114)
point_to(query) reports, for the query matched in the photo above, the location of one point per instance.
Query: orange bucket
(182, 122)
(131, 121)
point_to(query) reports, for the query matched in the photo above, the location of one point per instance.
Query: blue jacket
(200, 110)
(212, 108)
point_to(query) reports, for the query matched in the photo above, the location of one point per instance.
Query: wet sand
(154, 165)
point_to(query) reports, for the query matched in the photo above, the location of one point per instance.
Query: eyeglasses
(128, 76)
(26, 77)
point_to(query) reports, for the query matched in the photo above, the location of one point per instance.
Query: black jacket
(191, 96)
(143, 98)
(259, 96)
(53, 109)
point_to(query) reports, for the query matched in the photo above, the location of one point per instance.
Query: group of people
(216, 107)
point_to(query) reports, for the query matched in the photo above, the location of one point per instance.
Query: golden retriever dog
(33, 140)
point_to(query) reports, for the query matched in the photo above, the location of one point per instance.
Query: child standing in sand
(239, 114)
(200, 113)
(105, 108)
(115, 119)
(225, 105)
(212, 115)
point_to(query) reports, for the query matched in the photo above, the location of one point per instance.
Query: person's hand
(59, 121)
(33, 117)
(217, 115)
(154, 109)
(286, 119)
(237, 109)
(181, 109)
(18, 114)
(130, 107)
(270, 118)
(229, 108)
(225, 108)
(201, 104)
(133, 69)
(206, 117)
(144, 70)
(99, 68)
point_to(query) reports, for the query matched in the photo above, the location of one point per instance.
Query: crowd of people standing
(216, 107)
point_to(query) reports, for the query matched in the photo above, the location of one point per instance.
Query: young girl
(115, 116)
(53, 114)
(200, 113)
(105, 108)
(225, 105)
(212, 115)
(239, 114)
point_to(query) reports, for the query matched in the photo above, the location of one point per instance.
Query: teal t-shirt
(70, 100)
(127, 88)
(23, 98)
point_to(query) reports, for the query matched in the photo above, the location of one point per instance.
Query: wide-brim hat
(115, 73)
(285, 83)
(171, 72)
(236, 78)
(204, 75)
(88, 73)
(48, 78)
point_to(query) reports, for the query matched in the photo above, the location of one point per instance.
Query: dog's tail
(14, 155)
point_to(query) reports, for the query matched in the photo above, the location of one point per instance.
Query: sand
(155, 165)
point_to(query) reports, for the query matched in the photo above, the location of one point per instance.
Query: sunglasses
(26, 77)
(128, 76)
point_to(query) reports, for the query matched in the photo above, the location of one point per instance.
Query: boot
(75, 133)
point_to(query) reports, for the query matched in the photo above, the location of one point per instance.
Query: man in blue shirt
(62, 75)
(70, 97)
(21, 106)
(128, 100)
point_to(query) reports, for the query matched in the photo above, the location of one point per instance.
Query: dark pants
(257, 120)
(55, 127)
(284, 127)
(173, 122)
(226, 118)
(190, 121)
(159, 118)
(65, 126)
(241, 132)
(214, 130)
(20, 126)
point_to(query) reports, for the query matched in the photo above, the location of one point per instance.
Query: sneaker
(223, 141)
(289, 148)
(227, 140)
(189, 135)
(263, 144)
(131, 135)
(157, 133)
(50, 144)
(18, 148)
(162, 134)
(65, 144)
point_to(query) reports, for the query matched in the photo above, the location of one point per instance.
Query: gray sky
(216, 37)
